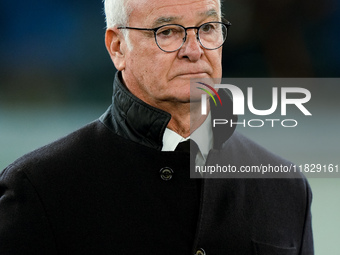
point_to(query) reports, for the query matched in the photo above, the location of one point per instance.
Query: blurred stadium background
(56, 76)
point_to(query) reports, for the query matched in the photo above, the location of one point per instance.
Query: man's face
(156, 76)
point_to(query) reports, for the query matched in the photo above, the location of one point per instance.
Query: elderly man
(118, 186)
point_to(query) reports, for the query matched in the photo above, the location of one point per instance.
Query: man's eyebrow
(210, 13)
(172, 19)
(165, 20)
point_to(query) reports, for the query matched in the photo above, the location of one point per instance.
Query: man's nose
(191, 48)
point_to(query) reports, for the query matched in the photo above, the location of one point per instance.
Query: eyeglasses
(171, 37)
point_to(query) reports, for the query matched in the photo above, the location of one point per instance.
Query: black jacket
(100, 190)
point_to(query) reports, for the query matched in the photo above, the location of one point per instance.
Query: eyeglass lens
(172, 37)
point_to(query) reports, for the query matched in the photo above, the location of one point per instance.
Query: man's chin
(186, 90)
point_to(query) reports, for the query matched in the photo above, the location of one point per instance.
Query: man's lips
(192, 74)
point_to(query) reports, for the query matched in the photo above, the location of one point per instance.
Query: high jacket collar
(135, 120)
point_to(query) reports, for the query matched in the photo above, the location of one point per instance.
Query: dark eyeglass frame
(227, 24)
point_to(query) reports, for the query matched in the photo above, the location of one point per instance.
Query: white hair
(117, 13)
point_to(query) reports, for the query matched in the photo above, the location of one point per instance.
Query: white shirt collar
(203, 136)
(171, 139)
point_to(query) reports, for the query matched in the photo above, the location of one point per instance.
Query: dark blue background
(54, 50)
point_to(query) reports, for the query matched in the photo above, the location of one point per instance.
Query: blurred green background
(56, 76)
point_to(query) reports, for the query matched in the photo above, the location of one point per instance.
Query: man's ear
(113, 42)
